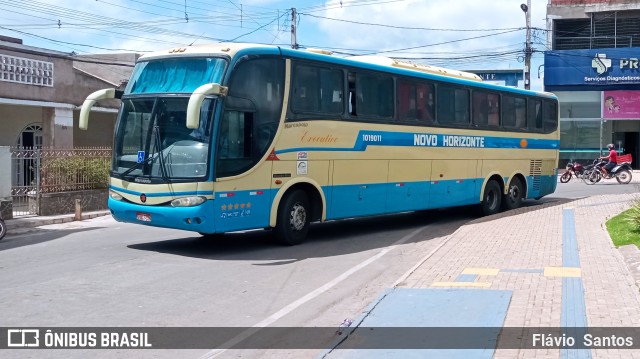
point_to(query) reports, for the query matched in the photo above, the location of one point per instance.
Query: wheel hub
(298, 217)
(514, 192)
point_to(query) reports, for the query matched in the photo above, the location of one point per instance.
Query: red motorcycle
(573, 169)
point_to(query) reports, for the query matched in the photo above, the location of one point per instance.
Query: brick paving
(522, 244)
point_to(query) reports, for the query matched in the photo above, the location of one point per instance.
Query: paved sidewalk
(551, 266)
(22, 224)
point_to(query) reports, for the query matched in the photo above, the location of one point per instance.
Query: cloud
(458, 14)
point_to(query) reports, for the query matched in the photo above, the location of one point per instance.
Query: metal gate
(25, 164)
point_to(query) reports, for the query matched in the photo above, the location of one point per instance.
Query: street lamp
(527, 50)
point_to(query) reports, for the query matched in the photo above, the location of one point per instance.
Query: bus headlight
(188, 201)
(115, 196)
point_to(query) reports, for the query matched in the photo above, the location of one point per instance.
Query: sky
(457, 34)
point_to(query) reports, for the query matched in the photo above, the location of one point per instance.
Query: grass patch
(623, 229)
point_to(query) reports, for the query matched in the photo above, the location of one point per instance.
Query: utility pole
(294, 42)
(528, 51)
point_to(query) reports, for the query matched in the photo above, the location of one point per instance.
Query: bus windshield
(182, 75)
(153, 141)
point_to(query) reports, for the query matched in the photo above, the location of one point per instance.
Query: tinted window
(453, 105)
(317, 90)
(550, 116)
(486, 109)
(514, 112)
(374, 95)
(534, 114)
(415, 102)
(251, 115)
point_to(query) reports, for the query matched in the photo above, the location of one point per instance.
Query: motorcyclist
(613, 159)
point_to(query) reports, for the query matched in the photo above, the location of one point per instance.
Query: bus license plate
(145, 217)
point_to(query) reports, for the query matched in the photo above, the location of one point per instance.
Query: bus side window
(415, 102)
(480, 108)
(374, 95)
(486, 109)
(494, 110)
(550, 116)
(534, 114)
(252, 112)
(351, 78)
(452, 105)
(424, 103)
(317, 90)
(521, 113)
(514, 115)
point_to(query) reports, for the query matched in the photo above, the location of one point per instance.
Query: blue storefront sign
(592, 69)
(509, 77)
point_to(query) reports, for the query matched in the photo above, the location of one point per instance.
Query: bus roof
(378, 63)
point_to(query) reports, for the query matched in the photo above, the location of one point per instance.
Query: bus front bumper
(195, 218)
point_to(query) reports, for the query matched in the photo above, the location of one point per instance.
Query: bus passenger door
(359, 188)
(408, 188)
(453, 183)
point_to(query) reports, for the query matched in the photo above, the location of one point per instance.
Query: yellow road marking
(562, 272)
(481, 271)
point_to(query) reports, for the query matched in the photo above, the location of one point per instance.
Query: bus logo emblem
(143, 198)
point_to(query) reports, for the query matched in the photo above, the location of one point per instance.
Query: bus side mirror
(91, 100)
(196, 99)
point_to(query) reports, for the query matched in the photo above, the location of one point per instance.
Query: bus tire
(3, 229)
(513, 198)
(294, 216)
(491, 198)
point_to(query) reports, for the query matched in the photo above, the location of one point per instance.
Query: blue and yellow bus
(230, 137)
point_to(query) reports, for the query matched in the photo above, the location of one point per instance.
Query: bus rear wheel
(513, 198)
(294, 215)
(491, 198)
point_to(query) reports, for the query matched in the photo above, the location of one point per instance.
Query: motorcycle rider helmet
(610, 146)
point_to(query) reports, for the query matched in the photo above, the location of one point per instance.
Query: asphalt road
(101, 273)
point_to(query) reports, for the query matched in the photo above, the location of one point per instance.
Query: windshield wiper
(146, 160)
(151, 159)
(163, 168)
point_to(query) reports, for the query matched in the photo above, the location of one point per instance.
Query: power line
(446, 42)
(69, 43)
(405, 27)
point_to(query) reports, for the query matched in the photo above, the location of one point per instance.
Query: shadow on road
(324, 240)
(38, 236)
(332, 238)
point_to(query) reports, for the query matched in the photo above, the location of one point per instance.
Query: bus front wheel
(491, 199)
(293, 219)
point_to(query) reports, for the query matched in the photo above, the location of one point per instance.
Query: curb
(32, 222)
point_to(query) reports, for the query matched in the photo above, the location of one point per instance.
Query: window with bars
(602, 30)
(26, 71)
